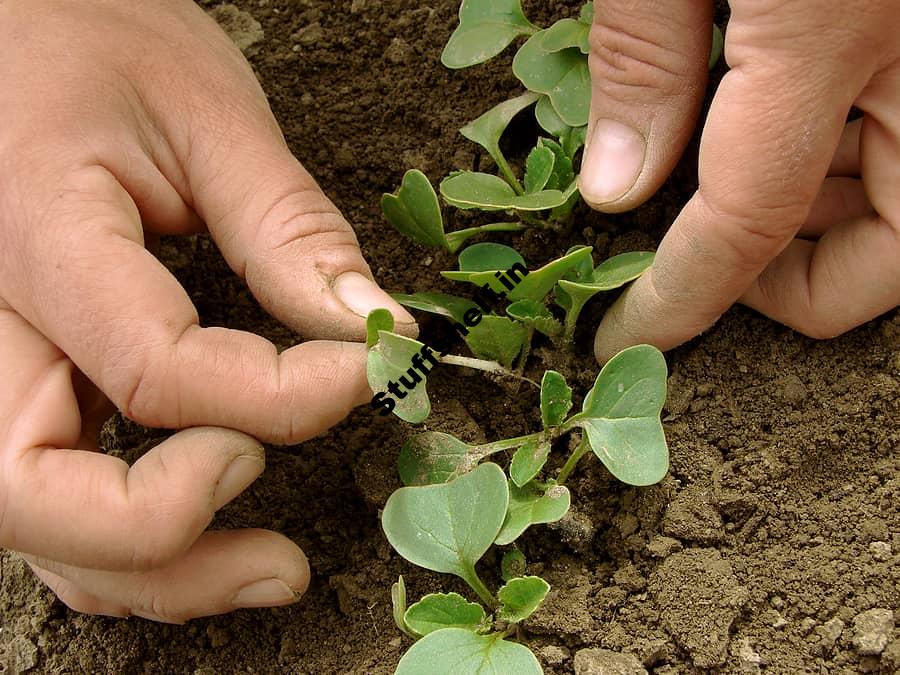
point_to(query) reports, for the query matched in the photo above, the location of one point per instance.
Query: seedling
(456, 505)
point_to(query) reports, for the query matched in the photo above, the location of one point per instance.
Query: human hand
(121, 118)
(797, 214)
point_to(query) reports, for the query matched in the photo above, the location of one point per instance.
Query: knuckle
(305, 215)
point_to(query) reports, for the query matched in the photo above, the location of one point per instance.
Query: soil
(767, 547)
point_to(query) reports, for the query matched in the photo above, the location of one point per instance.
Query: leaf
(457, 238)
(433, 457)
(621, 416)
(587, 13)
(457, 651)
(718, 45)
(620, 269)
(391, 359)
(473, 190)
(378, 320)
(489, 257)
(398, 603)
(487, 129)
(548, 118)
(564, 34)
(520, 597)
(563, 173)
(497, 338)
(562, 75)
(540, 282)
(486, 27)
(415, 211)
(536, 315)
(444, 610)
(556, 399)
(447, 528)
(582, 271)
(573, 140)
(528, 506)
(528, 461)
(538, 168)
(444, 304)
(512, 564)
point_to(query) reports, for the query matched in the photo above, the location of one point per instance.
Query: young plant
(456, 505)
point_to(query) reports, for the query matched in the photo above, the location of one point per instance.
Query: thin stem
(471, 577)
(571, 320)
(506, 444)
(486, 366)
(508, 174)
(573, 460)
(526, 349)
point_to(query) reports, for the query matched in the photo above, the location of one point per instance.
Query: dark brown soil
(778, 525)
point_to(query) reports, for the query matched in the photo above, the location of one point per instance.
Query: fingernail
(265, 593)
(242, 471)
(613, 162)
(361, 296)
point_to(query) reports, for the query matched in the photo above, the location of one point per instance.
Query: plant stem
(490, 448)
(484, 365)
(508, 174)
(572, 319)
(471, 577)
(573, 460)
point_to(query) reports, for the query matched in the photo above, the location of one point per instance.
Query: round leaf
(562, 75)
(388, 361)
(450, 306)
(447, 528)
(621, 416)
(457, 651)
(486, 27)
(556, 399)
(378, 320)
(564, 34)
(528, 507)
(520, 597)
(488, 257)
(548, 118)
(443, 610)
(620, 269)
(512, 565)
(473, 190)
(415, 211)
(432, 457)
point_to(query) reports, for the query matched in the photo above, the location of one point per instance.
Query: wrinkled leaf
(398, 603)
(563, 173)
(563, 76)
(457, 651)
(457, 238)
(444, 610)
(621, 416)
(536, 315)
(415, 211)
(497, 338)
(512, 564)
(486, 27)
(487, 129)
(529, 506)
(718, 44)
(447, 528)
(432, 457)
(565, 34)
(444, 304)
(378, 320)
(556, 399)
(519, 598)
(548, 118)
(389, 360)
(473, 190)
(528, 461)
(538, 168)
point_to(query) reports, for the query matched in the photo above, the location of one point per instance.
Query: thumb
(648, 65)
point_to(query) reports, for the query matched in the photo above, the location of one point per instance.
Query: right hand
(120, 118)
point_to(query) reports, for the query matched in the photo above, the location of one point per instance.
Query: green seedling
(456, 505)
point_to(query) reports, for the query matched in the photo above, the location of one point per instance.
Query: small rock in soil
(651, 652)
(792, 390)
(890, 657)
(700, 621)
(630, 579)
(606, 662)
(398, 51)
(554, 655)
(750, 659)
(24, 654)
(828, 634)
(663, 547)
(872, 630)
(691, 517)
(881, 551)
(241, 27)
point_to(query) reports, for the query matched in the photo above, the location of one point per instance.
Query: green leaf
(540, 282)
(564, 34)
(536, 315)
(548, 118)
(457, 651)
(444, 304)
(486, 27)
(529, 506)
(718, 45)
(621, 416)
(556, 399)
(528, 461)
(391, 359)
(473, 190)
(512, 564)
(620, 269)
(538, 169)
(433, 457)
(487, 129)
(457, 238)
(563, 76)
(563, 173)
(520, 597)
(414, 211)
(378, 320)
(582, 271)
(489, 257)
(587, 13)
(444, 610)
(497, 338)
(398, 603)
(447, 528)
(573, 140)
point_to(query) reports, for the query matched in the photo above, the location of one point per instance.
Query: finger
(648, 66)
(221, 572)
(762, 162)
(838, 200)
(846, 157)
(75, 598)
(130, 327)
